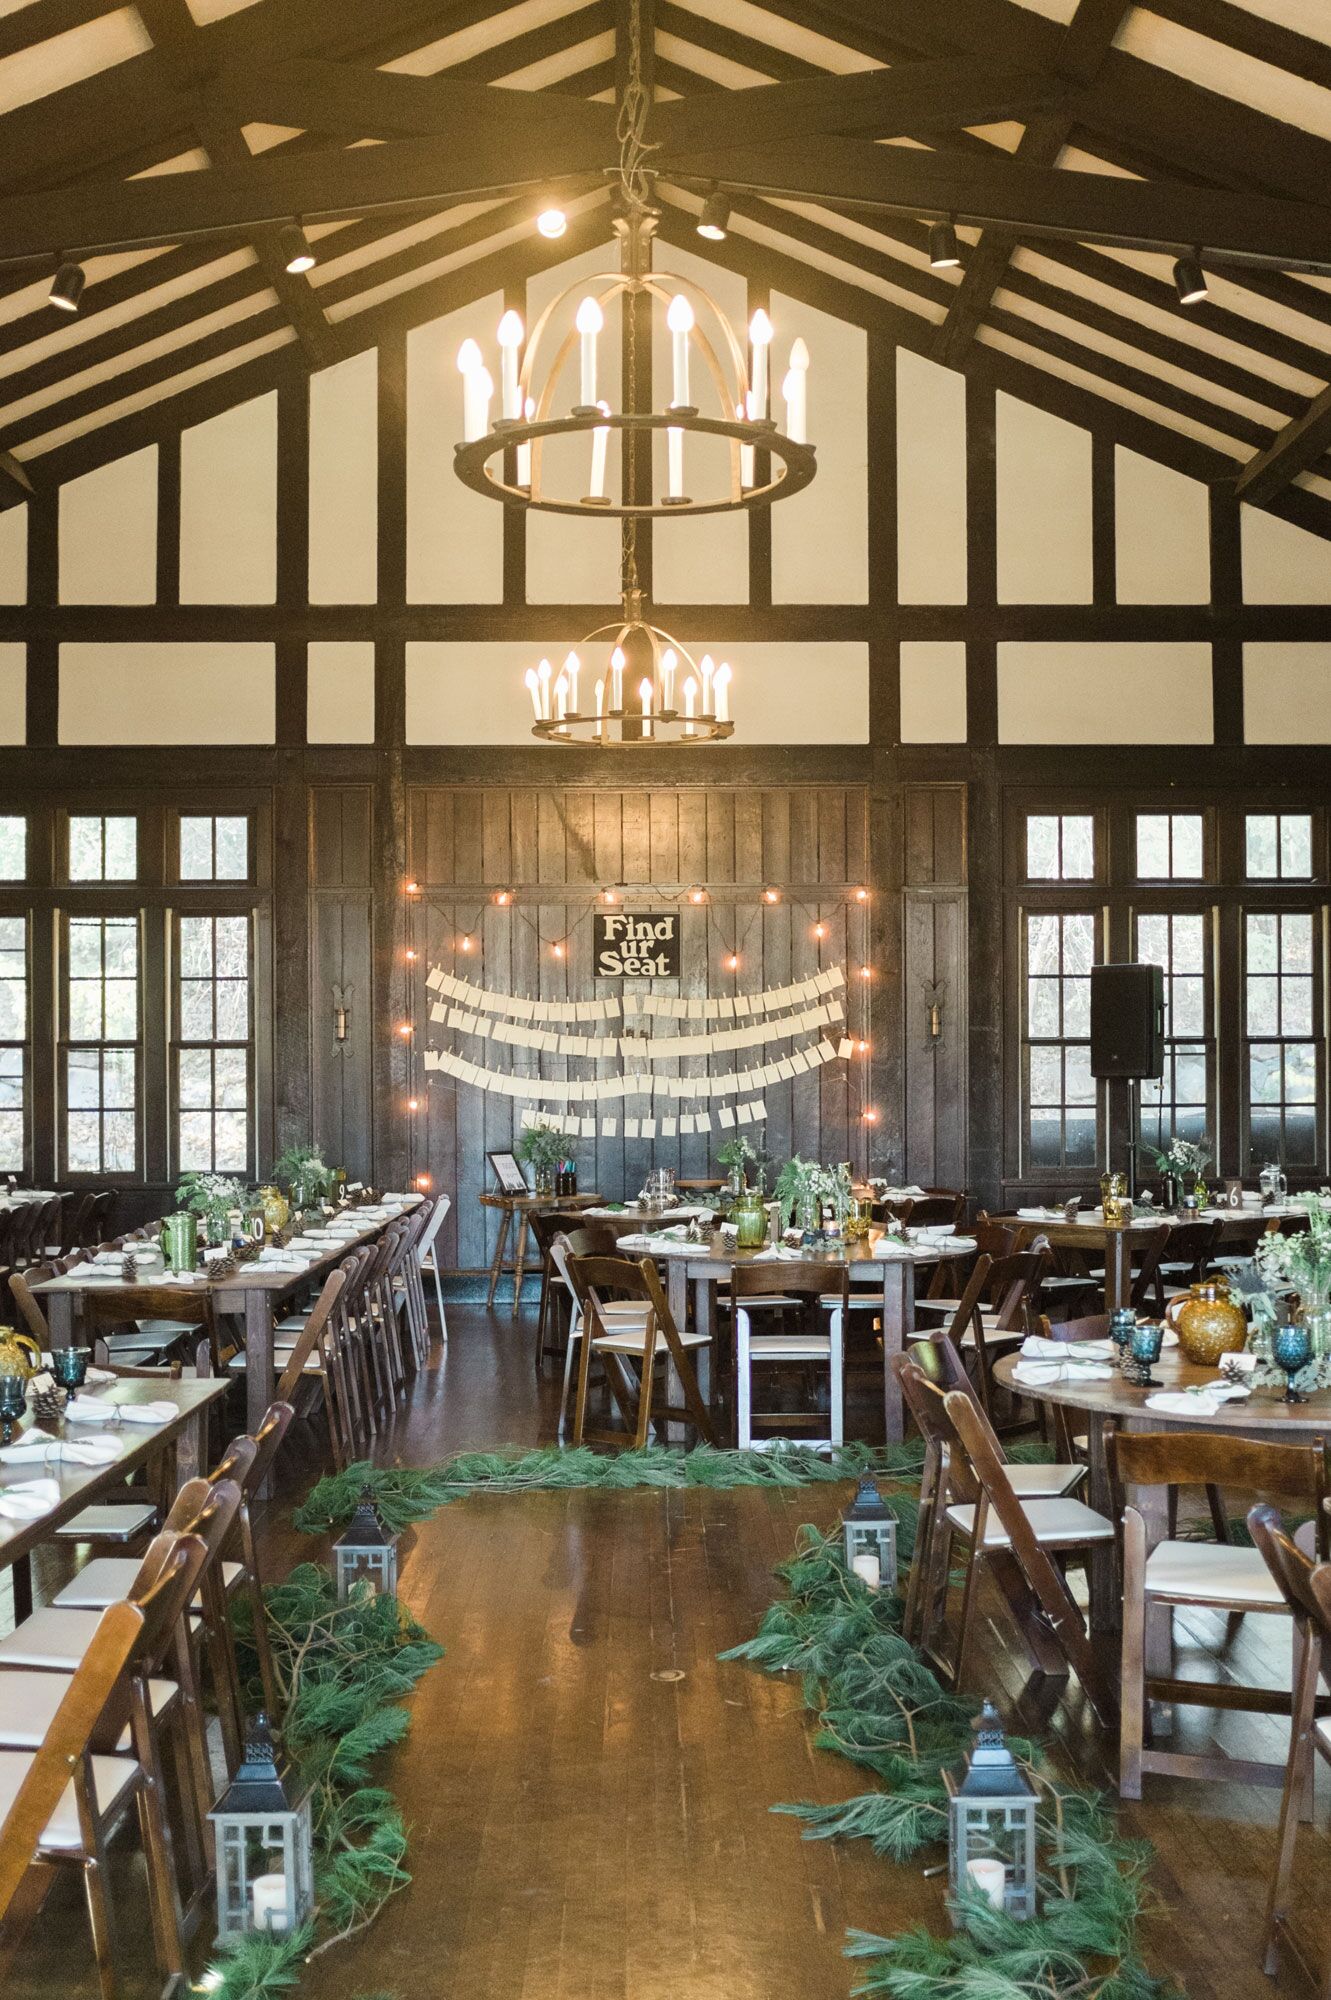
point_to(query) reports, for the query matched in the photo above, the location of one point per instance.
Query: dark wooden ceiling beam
(1252, 35)
(1086, 42)
(1295, 449)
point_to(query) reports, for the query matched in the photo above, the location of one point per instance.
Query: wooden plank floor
(588, 1788)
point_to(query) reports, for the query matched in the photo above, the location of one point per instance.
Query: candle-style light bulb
(471, 366)
(645, 697)
(534, 690)
(600, 705)
(470, 357)
(760, 339)
(795, 389)
(485, 389)
(524, 450)
(572, 668)
(706, 669)
(722, 685)
(590, 320)
(510, 340)
(543, 675)
(669, 662)
(617, 665)
(561, 697)
(679, 318)
(690, 697)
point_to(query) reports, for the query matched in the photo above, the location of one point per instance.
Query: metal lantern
(991, 1823)
(871, 1537)
(365, 1552)
(265, 1863)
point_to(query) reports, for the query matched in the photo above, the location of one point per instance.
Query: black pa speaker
(1127, 1020)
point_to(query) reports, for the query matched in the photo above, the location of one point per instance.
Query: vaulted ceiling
(1229, 95)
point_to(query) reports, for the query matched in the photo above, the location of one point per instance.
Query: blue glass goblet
(69, 1365)
(1291, 1349)
(13, 1402)
(1147, 1340)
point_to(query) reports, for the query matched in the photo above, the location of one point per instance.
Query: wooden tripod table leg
(519, 1262)
(497, 1261)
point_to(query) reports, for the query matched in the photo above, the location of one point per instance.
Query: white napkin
(87, 1410)
(1203, 1402)
(1040, 1214)
(40, 1448)
(1036, 1348)
(147, 1413)
(782, 1252)
(1041, 1374)
(26, 1502)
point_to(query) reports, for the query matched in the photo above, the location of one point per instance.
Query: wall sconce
(341, 1014)
(933, 1000)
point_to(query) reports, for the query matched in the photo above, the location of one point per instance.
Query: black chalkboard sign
(636, 944)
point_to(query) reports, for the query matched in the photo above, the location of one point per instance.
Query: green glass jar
(749, 1215)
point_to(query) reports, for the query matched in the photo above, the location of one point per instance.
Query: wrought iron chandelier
(651, 691)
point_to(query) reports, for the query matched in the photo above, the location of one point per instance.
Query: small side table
(520, 1206)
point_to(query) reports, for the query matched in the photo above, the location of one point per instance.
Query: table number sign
(636, 944)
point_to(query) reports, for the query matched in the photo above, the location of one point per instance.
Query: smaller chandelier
(646, 690)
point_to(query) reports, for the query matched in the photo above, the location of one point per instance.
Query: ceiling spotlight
(67, 287)
(944, 252)
(294, 247)
(1190, 280)
(552, 222)
(715, 217)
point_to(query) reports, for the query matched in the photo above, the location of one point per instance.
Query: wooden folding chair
(317, 1369)
(1215, 1576)
(617, 1346)
(820, 1294)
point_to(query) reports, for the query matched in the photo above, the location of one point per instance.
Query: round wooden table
(1116, 1403)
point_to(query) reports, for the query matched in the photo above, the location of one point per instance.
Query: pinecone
(48, 1404)
(128, 1270)
(223, 1267)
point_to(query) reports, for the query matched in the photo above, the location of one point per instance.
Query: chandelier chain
(634, 107)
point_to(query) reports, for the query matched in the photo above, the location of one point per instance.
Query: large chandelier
(650, 691)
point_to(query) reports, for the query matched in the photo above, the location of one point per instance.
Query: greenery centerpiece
(1183, 1161)
(802, 1188)
(1300, 1264)
(213, 1196)
(306, 1175)
(541, 1148)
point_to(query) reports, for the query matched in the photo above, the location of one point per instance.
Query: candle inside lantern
(617, 681)
(760, 339)
(589, 322)
(795, 389)
(600, 441)
(722, 685)
(679, 318)
(868, 1569)
(268, 1899)
(510, 340)
(675, 462)
(645, 697)
(990, 1876)
(543, 675)
(690, 696)
(524, 450)
(471, 367)
(669, 662)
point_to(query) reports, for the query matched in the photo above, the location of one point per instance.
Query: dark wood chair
(653, 1341)
(815, 1308)
(1209, 1575)
(1002, 1317)
(1193, 1247)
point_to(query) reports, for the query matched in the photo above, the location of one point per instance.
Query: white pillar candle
(866, 1567)
(796, 392)
(589, 322)
(534, 690)
(572, 668)
(617, 680)
(760, 339)
(722, 685)
(471, 367)
(543, 675)
(706, 669)
(524, 450)
(675, 460)
(690, 697)
(669, 662)
(645, 697)
(990, 1876)
(745, 450)
(268, 1899)
(679, 318)
(510, 340)
(600, 441)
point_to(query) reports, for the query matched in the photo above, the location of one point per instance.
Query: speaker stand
(1133, 1088)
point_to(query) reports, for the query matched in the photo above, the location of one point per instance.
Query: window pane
(85, 850)
(1296, 944)
(121, 1010)
(232, 1072)
(232, 1141)
(85, 1011)
(1078, 943)
(1152, 845)
(13, 849)
(1078, 847)
(1041, 847)
(1060, 847)
(196, 849)
(212, 1008)
(196, 947)
(103, 850)
(118, 1142)
(11, 1141)
(83, 1148)
(1076, 1006)
(1046, 1076)
(1187, 1013)
(1263, 1006)
(1296, 845)
(231, 838)
(196, 1010)
(1045, 1020)
(1187, 829)
(195, 1074)
(1262, 846)
(232, 949)
(233, 1013)
(1263, 944)
(196, 1142)
(122, 850)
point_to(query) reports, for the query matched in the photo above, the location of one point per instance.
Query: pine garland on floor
(342, 1671)
(882, 1707)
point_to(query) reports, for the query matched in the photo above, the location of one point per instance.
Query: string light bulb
(861, 895)
(866, 972)
(771, 895)
(404, 1029)
(863, 1048)
(503, 897)
(820, 930)
(409, 955)
(466, 941)
(422, 1180)
(732, 962)
(869, 1115)
(413, 1104)
(697, 895)
(609, 896)
(557, 949)
(411, 888)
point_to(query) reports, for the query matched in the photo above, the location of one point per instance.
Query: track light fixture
(1190, 280)
(944, 251)
(715, 218)
(295, 249)
(67, 286)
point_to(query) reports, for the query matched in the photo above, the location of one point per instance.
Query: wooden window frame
(99, 1176)
(222, 884)
(1059, 904)
(1169, 905)
(213, 914)
(1319, 911)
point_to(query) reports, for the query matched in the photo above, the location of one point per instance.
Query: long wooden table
(172, 1452)
(1115, 1242)
(521, 1207)
(256, 1294)
(703, 1266)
